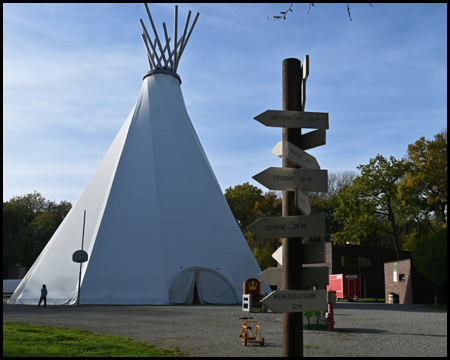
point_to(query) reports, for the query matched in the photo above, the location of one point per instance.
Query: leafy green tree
(369, 208)
(248, 204)
(264, 255)
(326, 203)
(242, 200)
(430, 256)
(29, 222)
(425, 186)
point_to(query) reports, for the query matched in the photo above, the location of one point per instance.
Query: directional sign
(311, 276)
(289, 226)
(295, 155)
(302, 202)
(293, 119)
(272, 276)
(313, 139)
(275, 178)
(312, 253)
(286, 301)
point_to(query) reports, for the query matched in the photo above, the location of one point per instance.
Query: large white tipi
(158, 229)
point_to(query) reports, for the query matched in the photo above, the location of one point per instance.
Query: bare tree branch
(284, 13)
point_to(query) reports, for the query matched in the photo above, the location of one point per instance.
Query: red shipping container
(346, 286)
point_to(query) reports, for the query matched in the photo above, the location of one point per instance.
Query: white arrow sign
(302, 202)
(293, 119)
(312, 253)
(290, 178)
(289, 226)
(286, 301)
(295, 155)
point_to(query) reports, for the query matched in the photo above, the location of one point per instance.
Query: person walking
(43, 295)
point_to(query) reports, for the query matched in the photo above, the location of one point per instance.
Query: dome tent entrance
(153, 208)
(201, 286)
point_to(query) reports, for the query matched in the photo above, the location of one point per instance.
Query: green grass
(371, 300)
(22, 339)
(315, 327)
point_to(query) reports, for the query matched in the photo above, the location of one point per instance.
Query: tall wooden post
(292, 247)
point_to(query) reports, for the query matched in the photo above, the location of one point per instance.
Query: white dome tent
(158, 229)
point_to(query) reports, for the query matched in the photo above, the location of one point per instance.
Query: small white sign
(286, 301)
(295, 155)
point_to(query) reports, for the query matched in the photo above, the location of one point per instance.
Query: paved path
(361, 329)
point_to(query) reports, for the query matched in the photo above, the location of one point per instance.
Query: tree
(430, 256)
(241, 200)
(369, 208)
(248, 203)
(326, 203)
(425, 185)
(29, 222)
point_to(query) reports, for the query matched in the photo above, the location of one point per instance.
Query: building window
(349, 261)
(401, 277)
(364, 262)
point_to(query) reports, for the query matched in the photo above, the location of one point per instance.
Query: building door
(351, 288)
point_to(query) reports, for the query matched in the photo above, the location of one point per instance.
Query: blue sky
(73, 72)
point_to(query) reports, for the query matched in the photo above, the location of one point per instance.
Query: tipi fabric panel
(154, 208)
(54, 266)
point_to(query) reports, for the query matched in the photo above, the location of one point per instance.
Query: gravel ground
(361, 329)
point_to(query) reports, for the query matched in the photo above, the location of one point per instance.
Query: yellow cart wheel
(261, 342)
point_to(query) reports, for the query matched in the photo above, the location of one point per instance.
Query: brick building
(369, 262)
(366, 261)
(398, 280)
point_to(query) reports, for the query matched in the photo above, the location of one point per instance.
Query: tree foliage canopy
(370, 206)
(248, 204)
(426, 177)
(29, 222)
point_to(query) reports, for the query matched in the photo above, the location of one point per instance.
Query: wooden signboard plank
(289, 226)
(285, 301)
(293, 119)
(295, 155)
(311, 276)
(275, 178)
(314, 139)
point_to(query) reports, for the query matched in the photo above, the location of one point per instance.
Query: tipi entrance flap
(200, 285)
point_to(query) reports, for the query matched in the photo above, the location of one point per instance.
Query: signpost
(287, 301)
(295, 155)
(289, 226)
(275, 178)
(293, 119)
(292, 300)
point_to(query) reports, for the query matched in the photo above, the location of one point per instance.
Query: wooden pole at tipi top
(156, 53)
